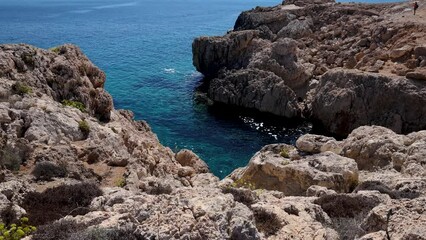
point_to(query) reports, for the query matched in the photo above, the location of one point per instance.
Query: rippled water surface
(145, 49)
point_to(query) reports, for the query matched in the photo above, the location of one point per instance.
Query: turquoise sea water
(144, 46)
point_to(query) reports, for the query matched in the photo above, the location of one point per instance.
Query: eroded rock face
(378, 147)
(342, 194)
(214, 53)
(256, 89)
(303, 42)
(402, 219)
(64, 73)
(188, 158)
(347, 99)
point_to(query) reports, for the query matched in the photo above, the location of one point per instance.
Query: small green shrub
(84, 127)
(267, 222)
(28, 58)
(21, 88)
(121, 182)
(284, 153)
(75, 104)
(55, 203)
(56, 50)
(16, 231)
(48, 170)
(243, 183)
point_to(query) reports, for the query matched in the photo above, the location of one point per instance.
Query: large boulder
(271, 169)
(347, 99)
(188, 158)
(311, 143)
(375, 147)
(297, 29)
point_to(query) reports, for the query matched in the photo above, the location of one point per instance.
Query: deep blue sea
(144, 46)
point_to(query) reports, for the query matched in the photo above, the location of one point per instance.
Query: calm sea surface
(144, 46)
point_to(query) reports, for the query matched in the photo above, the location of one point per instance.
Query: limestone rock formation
(316, 144)
(390, 180)
(48, 144)
(299, 43)
(271, 169)
(255, 89)
(347, 99)
(364, 186)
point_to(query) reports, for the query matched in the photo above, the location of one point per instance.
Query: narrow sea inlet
(145, 49)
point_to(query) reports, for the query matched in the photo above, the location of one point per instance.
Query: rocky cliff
(342, 65)
(80, 169)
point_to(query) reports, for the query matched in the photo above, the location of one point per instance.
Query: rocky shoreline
(80, 169)
(340, 65)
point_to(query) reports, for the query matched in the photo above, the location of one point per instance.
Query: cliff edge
(341, 65)
(76, 168)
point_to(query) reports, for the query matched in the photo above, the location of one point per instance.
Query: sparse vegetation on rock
(21, 88)
(48, 170)
(75, 104)
(16, 231)
(84, 127)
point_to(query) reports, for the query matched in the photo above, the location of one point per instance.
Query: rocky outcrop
(402, 220)
(322, 188)
(256, 89)
(214, 53)
(149, 191)
(309, 49)
(63, 73)
(347, 99)
(378, 173)
(273, 168)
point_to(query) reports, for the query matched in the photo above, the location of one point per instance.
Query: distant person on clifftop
(415, 6)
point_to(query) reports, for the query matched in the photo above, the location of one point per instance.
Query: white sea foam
(169, 70)
(129, 4)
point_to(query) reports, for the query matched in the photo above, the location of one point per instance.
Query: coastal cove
(145, 49)
(77, 164)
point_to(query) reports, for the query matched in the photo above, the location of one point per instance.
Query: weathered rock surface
(321, 189)
(316, 144)
(255, 89)
(268, 169)
(402, 219)
(391, 176)
(163, 195)
(301, 42)
(347, 99)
